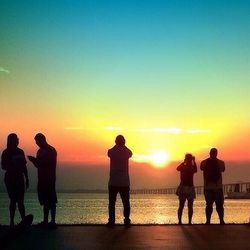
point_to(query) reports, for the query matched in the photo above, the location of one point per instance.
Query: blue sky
(131, 64)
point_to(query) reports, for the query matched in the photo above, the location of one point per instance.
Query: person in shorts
(14, 163)
(185, 190)
(119, 181)
(212, 169)
(45, 162)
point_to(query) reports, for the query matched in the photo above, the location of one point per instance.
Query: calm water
(157, 209)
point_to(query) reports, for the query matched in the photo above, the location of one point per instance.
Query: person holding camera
(119, 181)
(185, 190)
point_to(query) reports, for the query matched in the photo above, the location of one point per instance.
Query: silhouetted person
(45, 162)
(186, 189)
(119, 179)
(14, 163)
(213, 191)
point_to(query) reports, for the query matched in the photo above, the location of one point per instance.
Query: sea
(92, 208)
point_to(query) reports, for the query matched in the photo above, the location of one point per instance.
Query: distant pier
(235, 187)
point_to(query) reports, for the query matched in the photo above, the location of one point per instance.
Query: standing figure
(119, 179)
(45, 162)
(14, 163)
(186, 189)
(212, 168)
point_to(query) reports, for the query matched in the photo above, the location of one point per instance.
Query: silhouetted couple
(14, 163)
(212, 168)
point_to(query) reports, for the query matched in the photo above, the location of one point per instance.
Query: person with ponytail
(14, 163)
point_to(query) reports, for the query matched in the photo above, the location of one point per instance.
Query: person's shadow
(13, 233)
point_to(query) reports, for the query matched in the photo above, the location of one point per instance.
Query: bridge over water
(235, 187)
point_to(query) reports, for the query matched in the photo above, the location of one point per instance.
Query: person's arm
(33, 160)
(26, 177)
(222, 166)
(194, 165)
(108, 153)
(25, 171)
(130, 153)
(202, 166)
(4, 163)
(51, 158)
(179, 167)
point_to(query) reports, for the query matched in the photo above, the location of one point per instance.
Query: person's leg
(12, 210)
(21, 209)
(124, 193)
(209, 205)
(52, 208)
(180, 209)
(20, 200)
(13, 197)
(112, 200)
(41, 198)
(46, 213)
(190, 210)
(52, 200)
(53, 213)
(219, 202)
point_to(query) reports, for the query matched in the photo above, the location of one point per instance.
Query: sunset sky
(171, 76)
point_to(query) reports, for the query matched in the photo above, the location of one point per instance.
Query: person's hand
(27, 184)
(31, 158)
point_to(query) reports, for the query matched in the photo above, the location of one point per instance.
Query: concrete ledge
(74, 237)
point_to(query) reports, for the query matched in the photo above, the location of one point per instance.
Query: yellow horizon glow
(156, 146)
(153, 145)
(157, 158)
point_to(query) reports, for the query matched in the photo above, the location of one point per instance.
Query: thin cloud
(192, 131)
(143, 130)
(161, 130)
(77, 128)
(113, 128)
(4, 70)
(173, 130)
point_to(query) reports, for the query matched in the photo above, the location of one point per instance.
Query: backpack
(212, 170)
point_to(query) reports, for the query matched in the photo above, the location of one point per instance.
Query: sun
(157, 158)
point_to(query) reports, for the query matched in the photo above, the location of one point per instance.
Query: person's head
(40, 140)
(120, 140)
(188, 158)
(12, 140)
(213, 153)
